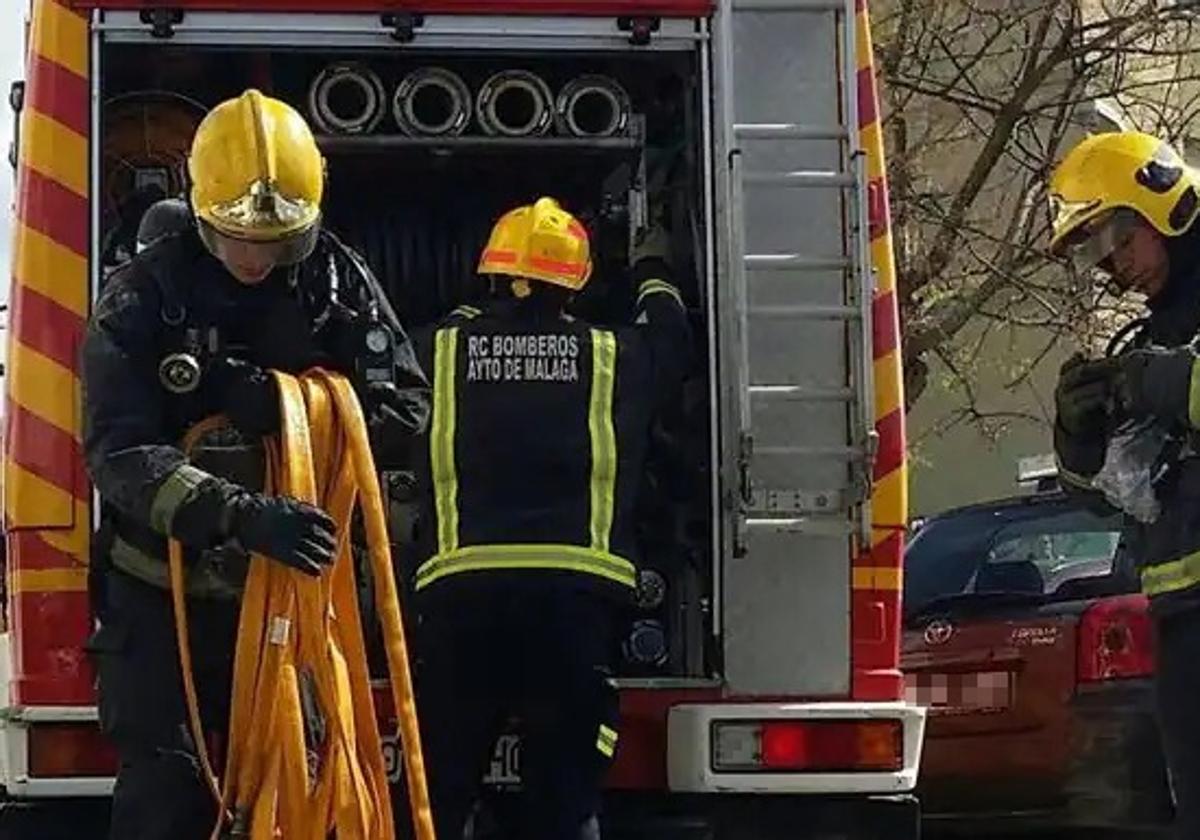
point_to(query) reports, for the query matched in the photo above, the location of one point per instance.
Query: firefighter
(539, 431)
(185, 330)
(1125, 208)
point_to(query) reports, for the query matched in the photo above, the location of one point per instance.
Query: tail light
(1115, 640)
(826, 746)
(70, 750)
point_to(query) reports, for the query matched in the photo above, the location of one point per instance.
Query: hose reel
(432, 102)
(592, 106)
(515, 103)
(347, 98)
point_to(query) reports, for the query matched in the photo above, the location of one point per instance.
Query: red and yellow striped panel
(46, 494)
(877, 573)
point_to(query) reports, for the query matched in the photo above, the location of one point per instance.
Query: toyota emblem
(938, 632)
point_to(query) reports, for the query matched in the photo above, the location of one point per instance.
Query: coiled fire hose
(304, 757)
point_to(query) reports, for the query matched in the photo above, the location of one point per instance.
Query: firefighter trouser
(532, 650)
(160, 792)
(1178, 689)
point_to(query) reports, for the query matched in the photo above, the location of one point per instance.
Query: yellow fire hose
(304, 757)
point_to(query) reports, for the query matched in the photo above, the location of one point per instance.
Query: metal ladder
(798, 266)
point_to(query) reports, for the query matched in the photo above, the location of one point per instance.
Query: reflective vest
(538, 435)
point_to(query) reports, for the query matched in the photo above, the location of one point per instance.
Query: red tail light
(1115, 640)
(828, 746)
(70, 750)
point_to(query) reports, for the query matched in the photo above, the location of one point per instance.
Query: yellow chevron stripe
(889, 504)
(887, 384)
(881, 259)
(58, 273)
(877, 578)
(54, 150)
(31, 581)
(32, 502)
(862, 42)
(869, 136)
(44, 387)
(60, 35)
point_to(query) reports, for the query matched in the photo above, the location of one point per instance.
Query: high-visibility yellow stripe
(604, 442)
(441, 439)
(887, 384)
(1194, 396)
(52, 149)
(44, 387)
(568, 558)
(50, 269)
(60, 35)
(877, 578)
(33, 502)
(1163, 578)
(30, 581)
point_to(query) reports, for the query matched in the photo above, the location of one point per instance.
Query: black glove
(1085, 395)
(1156, 382)
(248, 395)
(287, 530)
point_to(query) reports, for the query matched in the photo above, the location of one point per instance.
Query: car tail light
(1115, 640)
(68, 750)
(829, 746)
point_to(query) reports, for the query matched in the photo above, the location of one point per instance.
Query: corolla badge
(938, 632)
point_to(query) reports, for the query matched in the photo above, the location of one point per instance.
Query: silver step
(803, 179)
(789, 131)
(795, 262)
(812, 311)
(802, 393)
(817, 526)
(845, 453)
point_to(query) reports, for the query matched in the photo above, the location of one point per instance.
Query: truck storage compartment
(425, 150)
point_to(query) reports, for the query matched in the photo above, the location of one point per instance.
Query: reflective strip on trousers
(441, 439)
(1163, 578)
(1194, 396)
(596, 559)
(566, 558)
(606, 741)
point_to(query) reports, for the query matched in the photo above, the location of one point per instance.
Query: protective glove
(286, 530)
(1085, 395)
(393, 417)
(248, 395)
(1156, 382)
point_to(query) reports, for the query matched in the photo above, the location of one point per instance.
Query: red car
(1027, 641)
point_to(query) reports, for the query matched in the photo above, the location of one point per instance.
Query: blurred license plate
(961, 693)
(504, 770)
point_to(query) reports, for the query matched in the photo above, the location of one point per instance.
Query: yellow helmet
(257, 174)
(1121, 171)
(540, 241)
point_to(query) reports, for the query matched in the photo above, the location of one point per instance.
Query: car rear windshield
(1034, 549)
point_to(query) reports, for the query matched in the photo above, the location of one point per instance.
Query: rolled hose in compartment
(515, 103)
(347, 98)
(592, 106)
(432, 102)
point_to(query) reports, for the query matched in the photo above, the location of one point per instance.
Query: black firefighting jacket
(175, 299)
(538, 437)
(1167, 550)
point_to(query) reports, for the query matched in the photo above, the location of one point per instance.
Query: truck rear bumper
(692, 768)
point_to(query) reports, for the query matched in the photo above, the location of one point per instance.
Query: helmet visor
(291, 249)
(1091, 248)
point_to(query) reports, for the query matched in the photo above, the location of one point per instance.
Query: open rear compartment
(415, 186)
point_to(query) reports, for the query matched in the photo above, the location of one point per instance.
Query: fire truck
(761, 694)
